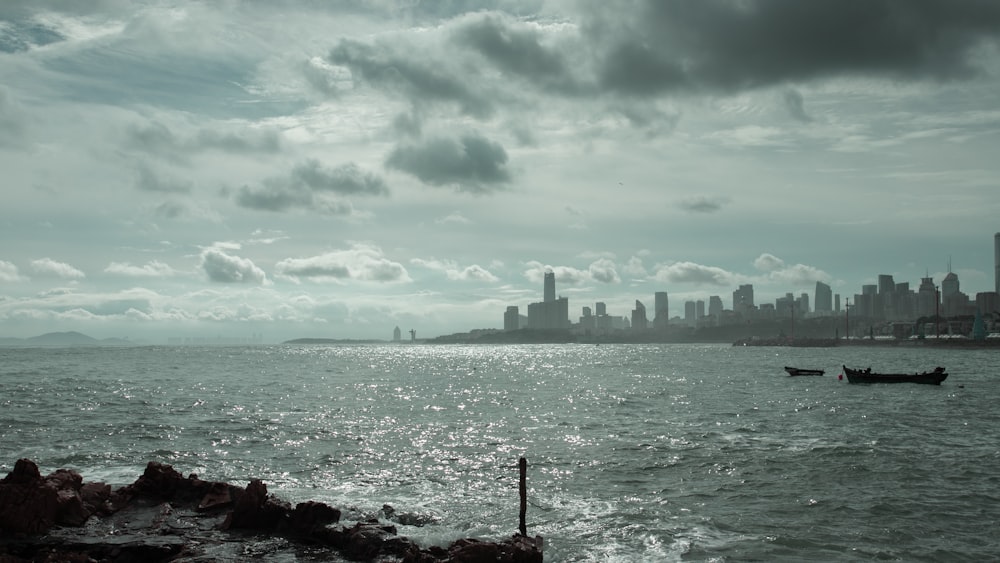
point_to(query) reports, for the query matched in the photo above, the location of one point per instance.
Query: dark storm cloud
(472, 164)
(664, 46)
(518, 50)
(381, 67)
(307, 186)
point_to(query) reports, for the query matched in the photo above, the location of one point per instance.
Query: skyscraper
(743, 300)
(661, 307)
(639, 321)
(824, 298)
(549, 293)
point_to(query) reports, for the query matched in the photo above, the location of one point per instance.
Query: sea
(660, 452)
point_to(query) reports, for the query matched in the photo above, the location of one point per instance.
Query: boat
(933, 377)
(803, 371)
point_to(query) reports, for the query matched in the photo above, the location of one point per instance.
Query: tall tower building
(550, 287)
(661, 310)
(715, 306)
(743, 300)
(639, 321)
(824, 298)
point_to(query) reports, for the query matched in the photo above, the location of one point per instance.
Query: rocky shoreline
(164, 516)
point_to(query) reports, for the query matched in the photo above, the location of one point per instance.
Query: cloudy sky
(335, 169)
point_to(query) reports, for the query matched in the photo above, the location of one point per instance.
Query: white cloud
(9, 272)
(225, 268)
(153, 269)
(696, 274)
(47, 267)
(361, 262)
(453, 217)
(768, 263)
(604, 271)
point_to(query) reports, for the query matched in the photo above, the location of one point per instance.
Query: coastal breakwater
(164, 516)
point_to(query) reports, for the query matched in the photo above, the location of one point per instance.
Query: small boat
(803, 371)
(933, 377)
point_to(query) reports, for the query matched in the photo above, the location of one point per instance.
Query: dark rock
(256, 510)
(166, 517)
(96, 497)
(25, 473)
(218, 496)
(27, 506)
(310, 515)
(473, 551)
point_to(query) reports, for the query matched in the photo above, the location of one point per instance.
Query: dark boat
(933, 377)
(803, 371)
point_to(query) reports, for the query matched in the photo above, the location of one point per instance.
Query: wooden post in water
(523, 489)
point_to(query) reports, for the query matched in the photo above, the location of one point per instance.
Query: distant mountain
(63, 339)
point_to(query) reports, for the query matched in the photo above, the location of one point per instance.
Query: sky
(335, 169)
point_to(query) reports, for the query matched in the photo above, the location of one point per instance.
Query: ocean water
(635, 452)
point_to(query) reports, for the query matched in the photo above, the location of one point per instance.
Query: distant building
(988, 302)
(927, 298)
(639, 321)
(802, 305)
(512, 318)
(690, 313)
(397, 335)
(549, 293)
(661, 309)
(743, 301)
(715, 307)
(601, 309)
(824, 299)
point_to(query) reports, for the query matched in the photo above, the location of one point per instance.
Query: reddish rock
(255, 510)
(26, 505)
(25, 473)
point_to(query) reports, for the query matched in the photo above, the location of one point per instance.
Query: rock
(309, 516)
(163, 516)
(218, 496)
(27, 506)
(255, 510)
(96, 497)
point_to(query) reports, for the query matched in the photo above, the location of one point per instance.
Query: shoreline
(163, 516)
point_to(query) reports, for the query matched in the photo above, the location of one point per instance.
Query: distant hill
(63, 339)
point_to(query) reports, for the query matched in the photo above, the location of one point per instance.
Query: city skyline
(179, 169)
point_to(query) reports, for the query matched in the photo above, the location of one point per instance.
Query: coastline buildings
(885, 307)
(552, 312)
